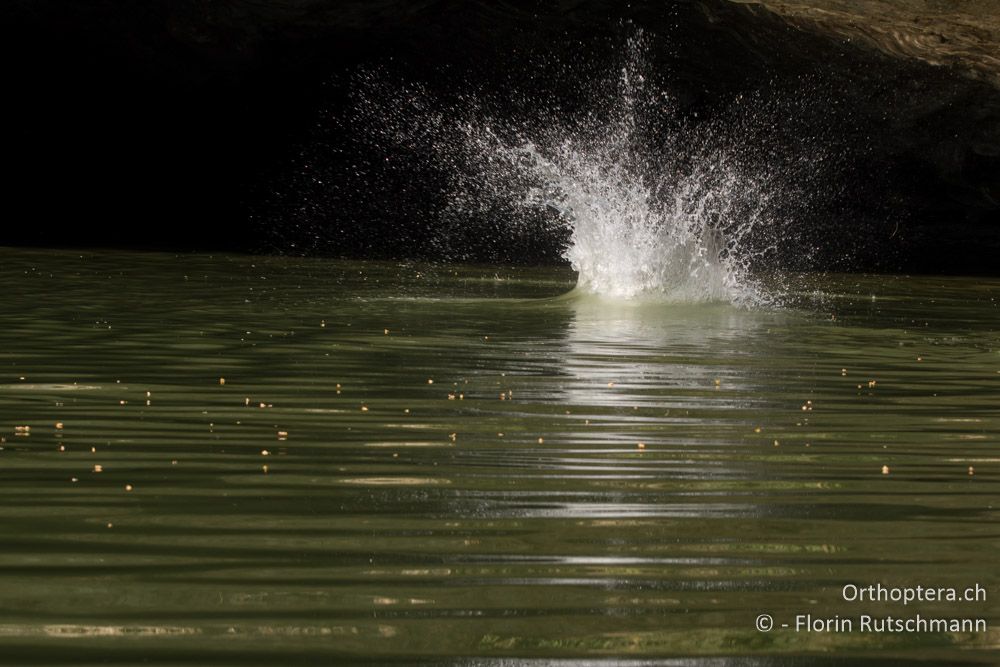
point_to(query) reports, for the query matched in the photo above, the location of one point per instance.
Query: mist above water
(642, 201)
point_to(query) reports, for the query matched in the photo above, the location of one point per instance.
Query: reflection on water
(653, 352)
(474, 467)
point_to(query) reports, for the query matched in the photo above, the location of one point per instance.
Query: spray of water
(644, 204)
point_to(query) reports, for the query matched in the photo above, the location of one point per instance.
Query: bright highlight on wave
(644, 203)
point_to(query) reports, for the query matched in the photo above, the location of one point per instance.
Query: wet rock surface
(960, 33)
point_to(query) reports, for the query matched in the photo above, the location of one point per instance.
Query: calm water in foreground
(462, 477)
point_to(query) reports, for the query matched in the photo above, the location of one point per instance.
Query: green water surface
(443, 463)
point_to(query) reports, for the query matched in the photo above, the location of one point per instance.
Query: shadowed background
(187, 125)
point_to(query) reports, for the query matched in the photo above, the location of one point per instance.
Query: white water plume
(646, 205)
(626, 241)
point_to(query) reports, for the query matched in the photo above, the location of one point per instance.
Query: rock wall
(174, 123)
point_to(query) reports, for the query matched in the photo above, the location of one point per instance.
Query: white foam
(625, 242)
(675, 211)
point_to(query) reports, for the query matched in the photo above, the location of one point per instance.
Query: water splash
(645, 204)
(627, 240)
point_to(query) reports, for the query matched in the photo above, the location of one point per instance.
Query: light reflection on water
(395, 521)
